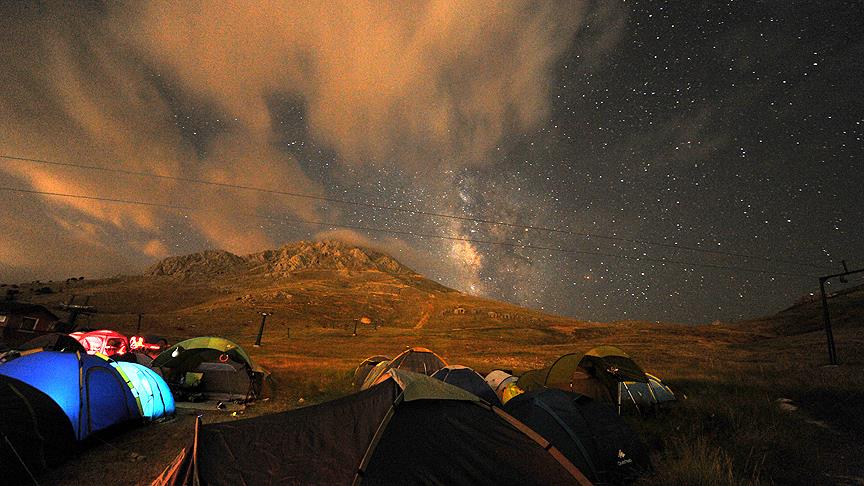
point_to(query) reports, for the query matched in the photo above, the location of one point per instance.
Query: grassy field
(760, 406)
(730, 429)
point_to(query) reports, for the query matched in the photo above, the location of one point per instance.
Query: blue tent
(151, 391)
(468, 380)
(89, 390)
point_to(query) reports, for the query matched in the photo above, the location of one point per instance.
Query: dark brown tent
(418, 360)
(54, 341)
(409, 429)
(35, 433)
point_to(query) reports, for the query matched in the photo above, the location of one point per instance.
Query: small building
(22, 321)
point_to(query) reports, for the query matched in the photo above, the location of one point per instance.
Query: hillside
(758, 405)
(846, 308)
(304, 284)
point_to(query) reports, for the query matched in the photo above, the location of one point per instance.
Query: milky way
(660, 142)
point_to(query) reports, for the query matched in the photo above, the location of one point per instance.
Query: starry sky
(671, 161)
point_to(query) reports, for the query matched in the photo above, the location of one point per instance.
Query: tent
(651, 393)
(212, 367)
(409, 429)
(468, 380)
(612, 365)
(418, 360)
(135, 357)
(150, 390)
(365, 367)
(54, 341)
(376, 374)
(104, 341)
(498, 379)
(88, 388)
(589, 433)
(35, 433)
(604, 373)
(623, 378)
(566, 373)
(532, 379)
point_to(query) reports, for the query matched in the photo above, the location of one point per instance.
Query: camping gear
(604, 373)
(54, 341)
(651, 393)
(365, 367)
(510, 391)
(211, 367)
(151, 391)
(418, 360)
(409, 429)
(468, 380)
(589, 433)
(567, 374)
(103, 341)
(375, 375)
(151, 345)
(135, 357)
(87, 387)
(533, 379)
(35, 433)
(499, 380)
(621, 376)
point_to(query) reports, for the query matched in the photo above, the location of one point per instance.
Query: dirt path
(425, 317)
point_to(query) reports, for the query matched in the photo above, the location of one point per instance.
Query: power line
(412, 234)
(412, 211)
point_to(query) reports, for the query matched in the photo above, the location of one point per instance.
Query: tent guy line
(408, 211)
(412, 233)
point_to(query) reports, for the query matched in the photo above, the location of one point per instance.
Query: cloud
(183, 90)
(435, 82)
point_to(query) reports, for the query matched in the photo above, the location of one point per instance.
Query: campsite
(756, 405)
(434, 242)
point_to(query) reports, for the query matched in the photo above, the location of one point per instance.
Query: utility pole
(826, 315)
(261, 329)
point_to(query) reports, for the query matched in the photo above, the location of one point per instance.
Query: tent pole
(361, 468)
(639, 410)
(619, 398)
(32, 477)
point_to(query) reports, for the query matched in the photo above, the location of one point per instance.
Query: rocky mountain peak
(291, 257)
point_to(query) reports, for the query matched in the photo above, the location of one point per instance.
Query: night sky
(723, 127)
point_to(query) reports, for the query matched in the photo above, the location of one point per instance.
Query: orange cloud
(422, 84)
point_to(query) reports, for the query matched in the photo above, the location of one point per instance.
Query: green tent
(625, 380)
(208, 342)
(533, 379)
(210, 367)
(362, 371)
(566, 373)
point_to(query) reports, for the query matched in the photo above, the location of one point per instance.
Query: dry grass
(730, 429)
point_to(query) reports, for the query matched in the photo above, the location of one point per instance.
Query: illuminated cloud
(424, 85)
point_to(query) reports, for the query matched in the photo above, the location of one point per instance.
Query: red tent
(103, 341)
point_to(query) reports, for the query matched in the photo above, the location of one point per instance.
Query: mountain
(293, 257)
(302, 284)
